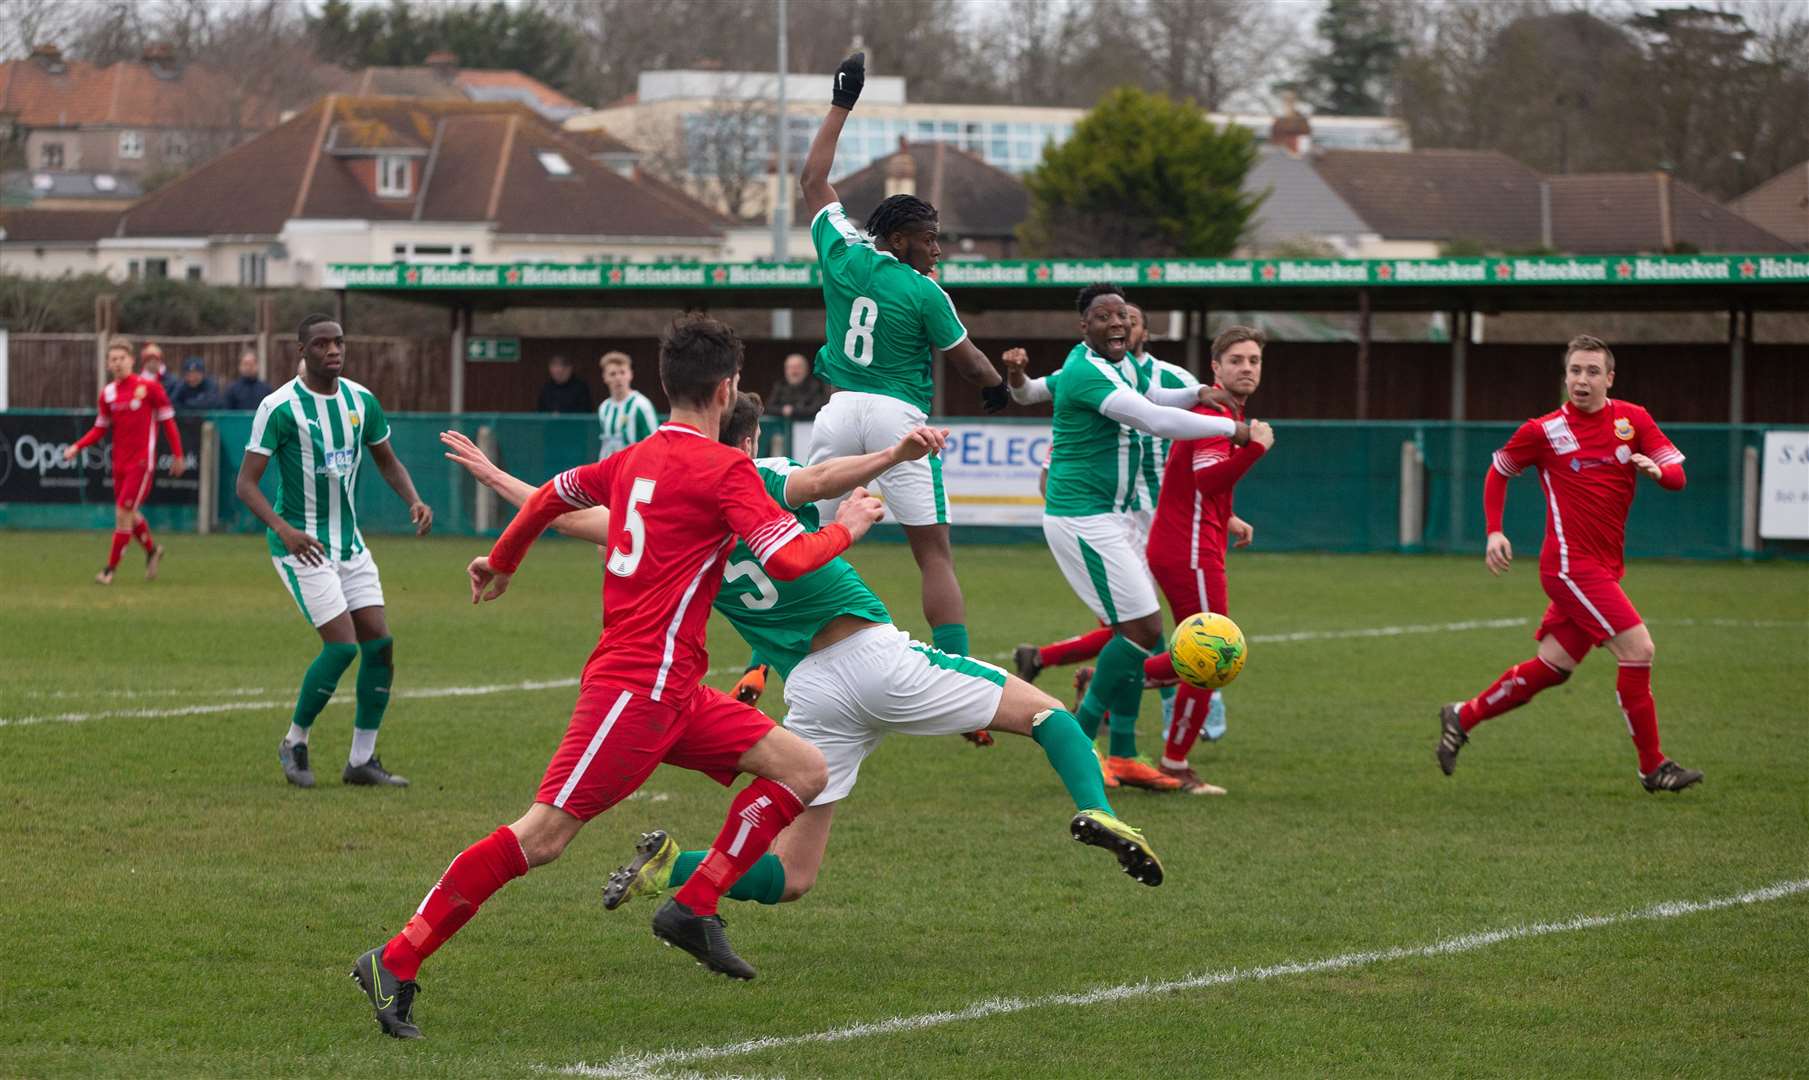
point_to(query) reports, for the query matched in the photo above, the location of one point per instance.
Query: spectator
(196, 391)
(562, 393)
(247, 391)
(151, 359)
(799, 395)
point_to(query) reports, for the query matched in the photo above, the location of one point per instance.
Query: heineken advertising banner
(1068, 273)
(990, 471)
(32, 469)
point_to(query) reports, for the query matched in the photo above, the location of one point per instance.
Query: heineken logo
(765, 274)
(615, 276)
(967, 273)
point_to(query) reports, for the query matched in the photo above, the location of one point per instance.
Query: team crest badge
(355, 420)
(1623, 429)
(139, 391)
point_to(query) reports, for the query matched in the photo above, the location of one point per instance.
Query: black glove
(849, 79)
(995, 397)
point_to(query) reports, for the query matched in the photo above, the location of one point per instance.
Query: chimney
(1667, 221)
(1291, 131)
(443, 64)
(49, 55)
(901, 172)
(156, 52)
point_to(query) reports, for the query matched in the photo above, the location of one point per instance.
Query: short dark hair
(1587, 343)
(742, 419)
(1233, 335)
(308, 323)
(899, 212)
(696, 353)
(1095, 291)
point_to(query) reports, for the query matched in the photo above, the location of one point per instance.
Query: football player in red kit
(677, 502)
(131, 408)
(1193, 524)
(1588, 456)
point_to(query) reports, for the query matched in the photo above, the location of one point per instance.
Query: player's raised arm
(837, 477)
(778, 539)
(813, 179)
(574, 489)
(591, 525)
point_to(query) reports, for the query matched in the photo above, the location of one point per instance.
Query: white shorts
(844, 699)
(324, 592)
(1141, 520)
(1103, 560)
(856, 423)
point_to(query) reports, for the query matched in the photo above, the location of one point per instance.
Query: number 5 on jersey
(623, 563)
(858, 345)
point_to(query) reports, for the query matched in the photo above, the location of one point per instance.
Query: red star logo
(615, 276)
(1154, 273)
(513, 277)
(1748, 268)
(1503, 271)
(1385, 272)
(1623, 270)
(1269, 271)
(719, 275)
(1042, 273)
(413, 276)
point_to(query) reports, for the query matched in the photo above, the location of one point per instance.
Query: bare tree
(723, 153)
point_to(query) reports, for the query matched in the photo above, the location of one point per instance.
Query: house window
(156, 268)
(252, 269)
(175, 145)
(432, 253)
(554, 163)
(194, 273)
(393, 176)
(50, 155)
(131, 144)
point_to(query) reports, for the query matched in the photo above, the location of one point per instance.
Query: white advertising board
(1784, 486)
(989, 469)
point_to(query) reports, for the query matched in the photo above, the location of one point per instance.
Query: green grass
(171, 907)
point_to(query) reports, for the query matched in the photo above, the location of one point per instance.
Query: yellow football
(1208, 651)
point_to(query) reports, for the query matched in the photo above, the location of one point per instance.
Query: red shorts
(618, 737)
(1587, 608)
(131, 483)
(1191, 591)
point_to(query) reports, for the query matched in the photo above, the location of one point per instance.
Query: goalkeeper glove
(995, 398)
(849, 79)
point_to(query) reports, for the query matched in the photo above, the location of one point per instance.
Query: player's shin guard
(120, 540)
(1127, 700)
(1514, 688)
(1075, 649)
(142, 533)
(1119, 662)
(473, 877)
(1633, 689)
(1191, 707)
(375, 673)
(756, 816)
(950, 638)
(1070, 754)
(764, 883)
(320, 681)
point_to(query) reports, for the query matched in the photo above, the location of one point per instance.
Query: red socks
(142, 533)
(479, 871)
(1191, 705)
(1633, 689)
(756, 816)
(1075, 649)
(1159, 670)
(120, 539)
(1515, 688)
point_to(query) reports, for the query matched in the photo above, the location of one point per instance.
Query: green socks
(320, 681)
(1117, 688)
(1070, 753)
(1127, 701)
(764, 883)
(950, 638)
(374, 677)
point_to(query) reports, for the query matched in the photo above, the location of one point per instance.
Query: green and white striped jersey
(318, 444)
(625, 422)
(1095, 463)
(1161, 373)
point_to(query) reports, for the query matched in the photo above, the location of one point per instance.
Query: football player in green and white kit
(626, 415)
(317, 427)
(1103, 409)
(851, 677)
(884, 315)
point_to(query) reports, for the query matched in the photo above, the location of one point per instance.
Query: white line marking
(645, 1064)
(1389, 631)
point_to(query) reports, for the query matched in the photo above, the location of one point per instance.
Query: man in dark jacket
(196, 392)
(247, 391)
(562, 393)
(799, 395)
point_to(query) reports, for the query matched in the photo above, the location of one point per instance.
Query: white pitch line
(649, 1064)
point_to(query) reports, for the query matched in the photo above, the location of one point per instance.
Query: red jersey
(1585, 468)
(677, 500)
(1193, 509)
(130, 409)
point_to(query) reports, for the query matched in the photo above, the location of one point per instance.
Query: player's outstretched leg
(648, 874)
(1100, 829)
(392, 999)
(1451, 736)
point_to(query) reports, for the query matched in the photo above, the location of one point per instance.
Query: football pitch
(172, 908)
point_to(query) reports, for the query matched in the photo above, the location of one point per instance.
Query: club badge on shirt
(1623, 429)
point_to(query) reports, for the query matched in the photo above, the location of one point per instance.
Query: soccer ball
(1208, 651)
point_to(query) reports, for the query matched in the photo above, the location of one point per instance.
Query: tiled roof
(127, 93)
(1300, 203)
(1438, 195)
(58, 226)
(474, 79)
(971, 197)
(1780, 205)
(481, 165)
(1616, 212)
